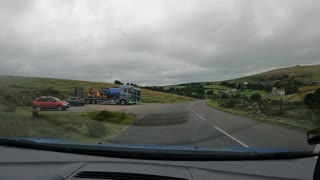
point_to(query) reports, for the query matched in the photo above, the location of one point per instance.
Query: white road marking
(142, 116)
(197, 115)
(222, 131)
(235, 139)
(200, 117)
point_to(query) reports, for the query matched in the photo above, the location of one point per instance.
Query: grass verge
(74, 126)
(303, 125)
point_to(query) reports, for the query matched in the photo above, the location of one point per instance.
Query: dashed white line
(200, 117)
(197, 115)
(222, 131)
(235, 139)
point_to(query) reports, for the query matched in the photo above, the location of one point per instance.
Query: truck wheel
(59, 108)
(122, 102)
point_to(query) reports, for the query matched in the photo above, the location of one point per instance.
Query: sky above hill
(156, 42)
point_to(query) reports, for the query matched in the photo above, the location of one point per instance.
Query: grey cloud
(156, 43)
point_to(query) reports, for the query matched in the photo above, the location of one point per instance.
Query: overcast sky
(156, 42)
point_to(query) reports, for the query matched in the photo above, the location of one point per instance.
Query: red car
(49, 102)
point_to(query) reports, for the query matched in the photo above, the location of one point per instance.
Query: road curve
(196, 124)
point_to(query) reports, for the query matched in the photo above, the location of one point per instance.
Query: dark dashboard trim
(154, 153)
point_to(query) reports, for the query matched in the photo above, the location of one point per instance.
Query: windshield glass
(56, 99)
(220, 75)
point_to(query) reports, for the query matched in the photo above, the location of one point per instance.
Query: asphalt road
(196, 124)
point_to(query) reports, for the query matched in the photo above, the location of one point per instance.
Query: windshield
(56, 99)
(218, 75)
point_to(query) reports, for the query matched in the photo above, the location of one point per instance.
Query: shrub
(255, 97)
(228, 104)
(210, 92)
(109, 117)
(224, 96)
(312, 100)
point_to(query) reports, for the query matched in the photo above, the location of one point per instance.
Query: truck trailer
(124, 94)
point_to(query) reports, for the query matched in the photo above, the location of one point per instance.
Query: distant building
(231, 91)
(280, 92)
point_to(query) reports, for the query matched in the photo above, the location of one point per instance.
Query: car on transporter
(76, 101)
(49, 102)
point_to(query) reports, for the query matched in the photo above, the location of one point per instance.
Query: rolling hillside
(311, 72)
(303, 79)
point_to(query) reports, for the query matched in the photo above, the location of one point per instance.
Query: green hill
(309, 72)
(295, 77)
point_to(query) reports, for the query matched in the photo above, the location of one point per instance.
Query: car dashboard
(21, 163)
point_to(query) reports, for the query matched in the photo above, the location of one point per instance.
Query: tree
(224, 96)
(161, 89)
(210, 92)
(312, 100)
(268, 88)
(290, 89)
(117, 82)
(171, 90)
(200, 91)
(255, 97)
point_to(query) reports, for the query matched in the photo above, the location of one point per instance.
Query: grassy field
(31, 87)
(160, 97)
(297, 97)
(80, 127)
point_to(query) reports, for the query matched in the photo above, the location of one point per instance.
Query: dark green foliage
(110, 117)
(224, 96)
(102, 115)
(256, 86)
(117, 82)
(312, 100)
(268, 88)
(226, 83)
(228, 104)
(255, 97)
(291, 89)
(210, 92)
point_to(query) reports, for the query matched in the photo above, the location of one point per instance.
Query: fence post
(281, 106)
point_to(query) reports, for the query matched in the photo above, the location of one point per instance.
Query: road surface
(196, 124)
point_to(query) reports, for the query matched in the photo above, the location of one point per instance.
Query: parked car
(49, 102)
(76, 101)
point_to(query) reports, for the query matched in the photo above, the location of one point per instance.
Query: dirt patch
(162, 119)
